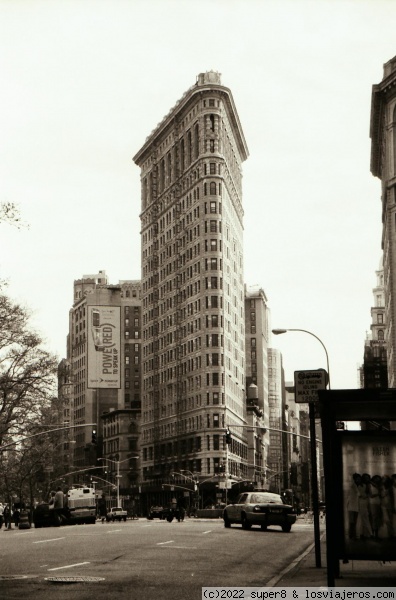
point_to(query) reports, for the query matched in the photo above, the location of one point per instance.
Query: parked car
(157, 512)
(117, 513)
(259, 508)
(43, 516)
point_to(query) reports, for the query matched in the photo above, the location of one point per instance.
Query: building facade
(277, 462)
(193, 288)
(374, 368)
(383, 166)
(102, 371)
(257, 335)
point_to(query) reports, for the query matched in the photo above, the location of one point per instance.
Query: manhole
(73, 579)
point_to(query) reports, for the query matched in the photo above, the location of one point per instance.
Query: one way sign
(307, 384)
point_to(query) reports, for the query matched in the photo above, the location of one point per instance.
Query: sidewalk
(357, 573)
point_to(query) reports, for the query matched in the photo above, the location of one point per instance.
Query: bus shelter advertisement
(369, 494)
(104, 344)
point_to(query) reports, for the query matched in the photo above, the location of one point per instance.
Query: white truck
(117, 513)
(81, 505)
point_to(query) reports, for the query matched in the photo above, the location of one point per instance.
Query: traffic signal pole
(28, 437)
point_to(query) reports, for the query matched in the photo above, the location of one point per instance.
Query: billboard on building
(104, 345)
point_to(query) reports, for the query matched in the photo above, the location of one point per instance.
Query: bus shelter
(360, 476)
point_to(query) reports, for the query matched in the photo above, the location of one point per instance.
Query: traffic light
(228, 437)
(93, 436)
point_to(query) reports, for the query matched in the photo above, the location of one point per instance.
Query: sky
(83, 83)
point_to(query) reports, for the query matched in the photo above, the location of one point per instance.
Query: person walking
(59, 502)
(1, 515)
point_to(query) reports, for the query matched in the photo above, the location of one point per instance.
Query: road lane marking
(162, 543)
(209, 531)
(51, 540)
(69, 566)
(113, 531)
(183, 547)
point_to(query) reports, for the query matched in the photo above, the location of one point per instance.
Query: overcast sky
(83, 83)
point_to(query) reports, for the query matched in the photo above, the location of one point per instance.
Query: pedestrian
(1, 515)
(52, 500)
(16, 515)
(7, 517)
(59, 501)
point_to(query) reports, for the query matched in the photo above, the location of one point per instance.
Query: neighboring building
(103, 365)
(383, 166)
(374, 371)
(298, 452)
(256, 369)
(193, 288)
(278, 467)
(256, 456)
(65, 396)
(375, 362)
(121, 432)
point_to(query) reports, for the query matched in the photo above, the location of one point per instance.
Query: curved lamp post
(118, 476)
(280, 331)
(315, 493)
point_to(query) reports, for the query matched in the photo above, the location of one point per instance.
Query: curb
(272, 582)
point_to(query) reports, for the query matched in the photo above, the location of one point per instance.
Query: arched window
(189, 148)
(196, 141)
(182, 155)
(380, 335)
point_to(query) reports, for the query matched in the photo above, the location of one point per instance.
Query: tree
(27, 372)
(9, 213)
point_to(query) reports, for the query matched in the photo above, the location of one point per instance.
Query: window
(212, 189)
(213, 245)
(212, 206)
(215, 321)
(213, 264)
(213, 226)
(380, 318)
(216, 442)
(212, 168)
(216, 420)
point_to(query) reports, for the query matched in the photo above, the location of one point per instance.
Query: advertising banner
(369, 494)
(104, 344)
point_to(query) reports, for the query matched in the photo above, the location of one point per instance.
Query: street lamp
(118, 476)
(315, 493)
(280, 331)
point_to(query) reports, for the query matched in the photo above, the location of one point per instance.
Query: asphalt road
(151, 560)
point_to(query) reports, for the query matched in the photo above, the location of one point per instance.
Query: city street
(155, 560)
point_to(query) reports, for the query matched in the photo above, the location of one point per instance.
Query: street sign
(307, 384)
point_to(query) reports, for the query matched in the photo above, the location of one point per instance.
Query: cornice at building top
(380, 96)
(200, 87)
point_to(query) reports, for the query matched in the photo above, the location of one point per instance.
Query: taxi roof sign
(307, 384)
